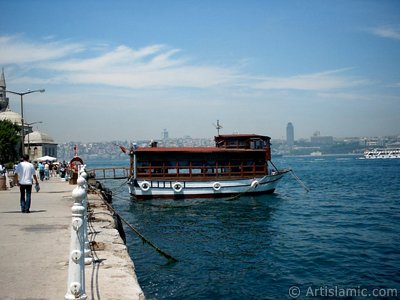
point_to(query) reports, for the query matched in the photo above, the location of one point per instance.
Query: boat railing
(201, 172)
(109, 173)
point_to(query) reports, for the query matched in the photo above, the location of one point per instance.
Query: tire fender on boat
(177, 187)
(254, 184)
(145, 186)
(216, 186)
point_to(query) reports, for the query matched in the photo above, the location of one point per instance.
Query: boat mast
(132, 160)
(218, 126)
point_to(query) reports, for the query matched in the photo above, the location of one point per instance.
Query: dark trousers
(26, 192)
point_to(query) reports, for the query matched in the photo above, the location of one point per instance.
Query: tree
(9, 139)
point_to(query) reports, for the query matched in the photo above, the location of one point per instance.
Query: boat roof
(194, 150)
(241, 136)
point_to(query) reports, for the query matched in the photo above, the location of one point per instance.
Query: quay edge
(113, 271)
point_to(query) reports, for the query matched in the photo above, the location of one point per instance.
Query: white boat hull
(382, 154)
(175, 189)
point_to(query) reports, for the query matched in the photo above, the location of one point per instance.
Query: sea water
(340, 240)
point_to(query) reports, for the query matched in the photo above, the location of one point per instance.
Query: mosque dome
(11, 116)
(37, 137)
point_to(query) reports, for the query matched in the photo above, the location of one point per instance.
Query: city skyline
(126, 70)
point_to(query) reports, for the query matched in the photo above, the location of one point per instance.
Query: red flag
(123, 149)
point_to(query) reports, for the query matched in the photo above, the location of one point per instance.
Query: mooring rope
(145, 240)
(299, 181)
(244, 192)
(118, 189)
(294, 176)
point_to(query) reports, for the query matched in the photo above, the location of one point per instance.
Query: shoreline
(113, 268)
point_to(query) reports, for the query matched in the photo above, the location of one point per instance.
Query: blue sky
(125, 70)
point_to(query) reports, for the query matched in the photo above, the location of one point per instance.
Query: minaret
(3, 97)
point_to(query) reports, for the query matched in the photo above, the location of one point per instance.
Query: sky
(127, 70)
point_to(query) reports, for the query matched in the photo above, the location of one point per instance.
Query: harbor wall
(112, 273)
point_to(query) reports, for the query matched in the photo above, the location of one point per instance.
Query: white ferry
(382, 153)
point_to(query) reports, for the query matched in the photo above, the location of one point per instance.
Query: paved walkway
(34, 249)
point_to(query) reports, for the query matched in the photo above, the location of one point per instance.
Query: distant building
(290, 135)
(11, 116)
(165, 134)
(38, 144)
(165, 137)
(318, 140)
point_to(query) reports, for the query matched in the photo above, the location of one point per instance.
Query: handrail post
(76, 268)
(82, 181)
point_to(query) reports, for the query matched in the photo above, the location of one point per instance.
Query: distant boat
(238, 164)
(316, 153)
(382, 153)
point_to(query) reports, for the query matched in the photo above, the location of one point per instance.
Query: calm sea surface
(344, 234)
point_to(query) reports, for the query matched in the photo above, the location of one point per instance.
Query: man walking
(23, 177)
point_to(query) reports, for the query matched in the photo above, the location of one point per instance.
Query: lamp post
(30, 124)
(22, 113)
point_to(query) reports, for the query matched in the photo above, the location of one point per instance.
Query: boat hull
(382, 154)
(175, 189)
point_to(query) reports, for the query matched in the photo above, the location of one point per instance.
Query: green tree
(9, 139)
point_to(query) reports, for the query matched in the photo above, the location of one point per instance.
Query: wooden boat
(238, 164)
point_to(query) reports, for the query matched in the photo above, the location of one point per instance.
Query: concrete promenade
(35, 248)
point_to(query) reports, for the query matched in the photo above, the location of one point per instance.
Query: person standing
(41, 170)
(24, 172)
(46, 170)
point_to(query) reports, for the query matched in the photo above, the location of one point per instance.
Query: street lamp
(29, 146)
(22, 113)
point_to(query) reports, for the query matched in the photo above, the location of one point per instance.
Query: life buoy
(254, 184)
(75, 163)
(216, 186)
(177, 187)
(145, 186)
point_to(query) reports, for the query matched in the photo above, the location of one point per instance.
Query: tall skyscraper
(290, 134)
(165, 137)
(165, 134)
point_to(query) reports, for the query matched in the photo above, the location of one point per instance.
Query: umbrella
(47, 158)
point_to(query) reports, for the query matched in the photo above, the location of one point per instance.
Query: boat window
(257, 144)
(184, 163)
(197, 169)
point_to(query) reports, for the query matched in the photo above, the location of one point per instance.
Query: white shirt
(25, 171)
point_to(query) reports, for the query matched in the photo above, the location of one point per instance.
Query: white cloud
(391, 32)
(153, 66)
(14, 50)
(327, 80)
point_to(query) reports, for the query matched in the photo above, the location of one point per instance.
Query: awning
(46, 158)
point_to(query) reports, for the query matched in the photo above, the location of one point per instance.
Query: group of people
(48, 169)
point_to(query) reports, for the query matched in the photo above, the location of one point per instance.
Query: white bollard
(76, 268)
(82, 181)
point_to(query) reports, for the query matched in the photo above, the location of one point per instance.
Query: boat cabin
(243, 141)
(234, 156)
